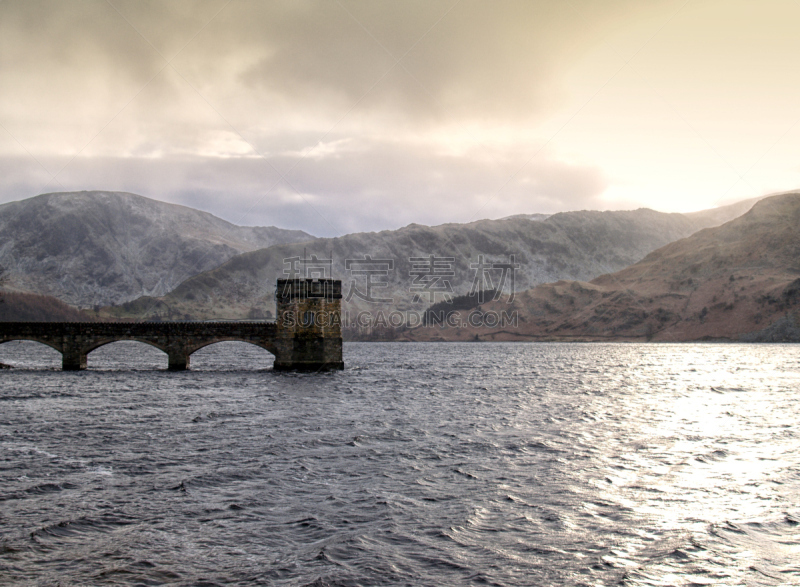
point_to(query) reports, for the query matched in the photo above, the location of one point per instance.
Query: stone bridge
(307, 335)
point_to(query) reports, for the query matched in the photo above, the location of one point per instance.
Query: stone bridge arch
(38, 340)
(268, 347)
(101, 343)
(41, 340)
(98, 344)
(296, 344)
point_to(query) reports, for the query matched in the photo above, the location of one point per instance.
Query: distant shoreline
(586, 341)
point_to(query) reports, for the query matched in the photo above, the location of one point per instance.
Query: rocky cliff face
(738, 281)
(572, 245)
(99, 248)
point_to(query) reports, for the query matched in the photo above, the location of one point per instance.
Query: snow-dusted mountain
(99, 248)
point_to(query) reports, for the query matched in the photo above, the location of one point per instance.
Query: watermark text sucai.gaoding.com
(396, 319)
(429, 278)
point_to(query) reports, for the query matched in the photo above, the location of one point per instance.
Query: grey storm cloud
(329, 116)
(456, 58)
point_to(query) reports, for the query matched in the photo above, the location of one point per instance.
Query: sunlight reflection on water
(425, 464)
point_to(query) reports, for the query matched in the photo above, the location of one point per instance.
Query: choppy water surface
(421, 464)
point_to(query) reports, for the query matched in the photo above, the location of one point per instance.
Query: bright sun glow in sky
(341, 116)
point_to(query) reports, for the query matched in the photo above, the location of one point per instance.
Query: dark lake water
(421, 464)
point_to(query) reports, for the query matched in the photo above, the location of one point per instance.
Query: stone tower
(309, 328)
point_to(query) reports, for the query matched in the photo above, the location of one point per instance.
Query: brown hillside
(27, 307)
(739, 281)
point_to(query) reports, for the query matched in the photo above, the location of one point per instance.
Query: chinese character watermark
(483, 278)
(376, 275)
(312, 268)
(429, 277)
(307, 267)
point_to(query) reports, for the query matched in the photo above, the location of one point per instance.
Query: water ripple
(421, 464)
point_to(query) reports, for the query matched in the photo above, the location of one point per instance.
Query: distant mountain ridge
(98, 248)
(738, 281)
(569, 245)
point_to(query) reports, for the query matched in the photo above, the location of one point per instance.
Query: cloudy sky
(336, 116)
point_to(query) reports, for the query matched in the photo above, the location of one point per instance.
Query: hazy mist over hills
(570, 245)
